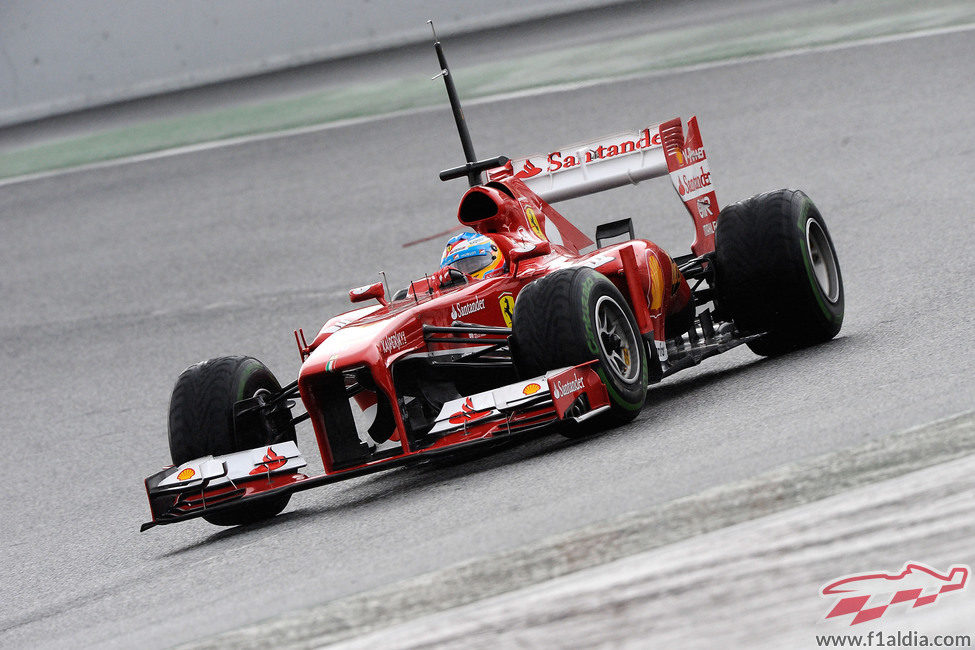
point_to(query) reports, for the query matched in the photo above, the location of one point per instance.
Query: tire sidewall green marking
(248, 368)
(614, 395)
(586, 292)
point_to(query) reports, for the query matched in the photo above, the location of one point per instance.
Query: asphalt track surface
(113, 280)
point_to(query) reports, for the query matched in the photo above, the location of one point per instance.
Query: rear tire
(777, 272)
(576, 315)
(201, 423)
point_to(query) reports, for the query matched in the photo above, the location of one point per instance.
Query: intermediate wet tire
(201, 423)
(777, 272)
(576, 315)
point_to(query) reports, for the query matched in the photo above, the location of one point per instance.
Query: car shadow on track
(401, 483)
(703, 378)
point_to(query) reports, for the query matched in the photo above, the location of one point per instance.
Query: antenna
(474, 167)
(474, 178)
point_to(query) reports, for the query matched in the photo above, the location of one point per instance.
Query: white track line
(676, 527)
(541, 90)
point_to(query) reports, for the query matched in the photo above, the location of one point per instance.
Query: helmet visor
(474, 263)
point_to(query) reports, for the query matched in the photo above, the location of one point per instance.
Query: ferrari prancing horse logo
(507, 303)
(533, 222)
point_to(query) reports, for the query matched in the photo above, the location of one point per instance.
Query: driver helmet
(474, 254)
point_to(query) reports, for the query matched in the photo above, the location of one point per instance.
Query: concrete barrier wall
(57, 57)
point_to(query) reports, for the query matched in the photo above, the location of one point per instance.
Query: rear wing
(627, 159)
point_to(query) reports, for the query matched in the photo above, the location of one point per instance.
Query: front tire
(777, 272)
(576, 315)
(201, 423)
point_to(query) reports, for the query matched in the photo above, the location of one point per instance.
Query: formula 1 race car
(553, 338)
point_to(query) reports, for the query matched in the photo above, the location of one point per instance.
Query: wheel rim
(823, 260)
(617, 341)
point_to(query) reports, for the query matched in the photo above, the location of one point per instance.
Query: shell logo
(186, 474)
(531, 389)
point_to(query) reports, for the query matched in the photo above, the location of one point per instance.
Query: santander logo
(574, 385)
(457, 311)
(271, 462)
(529, 170)
(467, 413)
(698, 179)
(592, 152)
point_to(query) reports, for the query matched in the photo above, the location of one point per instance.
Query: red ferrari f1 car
(520, 329)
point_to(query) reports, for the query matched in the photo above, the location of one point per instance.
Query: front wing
(215, 483)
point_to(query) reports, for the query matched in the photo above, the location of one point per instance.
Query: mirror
(360, 294)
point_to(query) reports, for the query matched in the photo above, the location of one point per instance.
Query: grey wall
(61, 55)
